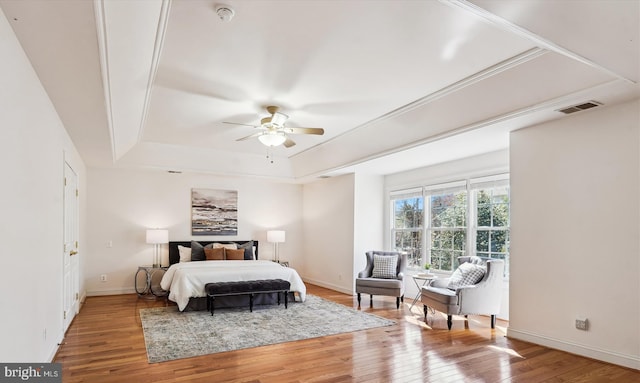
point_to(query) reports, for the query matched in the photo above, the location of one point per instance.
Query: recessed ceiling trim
(538, 40)
(541, 107)
(101, 30)
(155, 62)
(455, 87)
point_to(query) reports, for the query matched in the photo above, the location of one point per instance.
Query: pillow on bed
(232, 246)
(185, 253)
(234, 254)
(214, 254)
(197, 251)
(248, 250)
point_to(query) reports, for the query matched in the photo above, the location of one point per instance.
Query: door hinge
(77, 296)
(65, 181)
(65, 315)
(77, 193)
(76, 243)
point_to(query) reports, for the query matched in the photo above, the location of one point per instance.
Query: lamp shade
(157, 236)
(275, 236)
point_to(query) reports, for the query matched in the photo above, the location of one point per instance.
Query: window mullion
(426, 234)
(472, 220)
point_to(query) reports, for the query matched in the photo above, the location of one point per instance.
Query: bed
(185, 280)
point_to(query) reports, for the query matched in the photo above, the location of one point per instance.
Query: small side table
(421, 281)
(147, 289)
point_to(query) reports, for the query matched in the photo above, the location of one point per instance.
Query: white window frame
(471, 185)
(440, 189)
(400, 195)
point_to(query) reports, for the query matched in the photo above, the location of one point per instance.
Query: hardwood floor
(105, 344)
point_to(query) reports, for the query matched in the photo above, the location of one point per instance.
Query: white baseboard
(54, 351)
(96, 293)
(328, 286)
(629, 361)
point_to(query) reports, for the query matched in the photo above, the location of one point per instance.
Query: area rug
(170, 334)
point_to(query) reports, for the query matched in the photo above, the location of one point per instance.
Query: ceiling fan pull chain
(270, 153)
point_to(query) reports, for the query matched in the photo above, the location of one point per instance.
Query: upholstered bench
(219, 289)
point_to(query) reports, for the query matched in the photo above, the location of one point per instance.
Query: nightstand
(145, 287)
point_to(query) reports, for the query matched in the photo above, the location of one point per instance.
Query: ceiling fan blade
(318, 131)
(288, 143)
(237, 123)
(249, 136)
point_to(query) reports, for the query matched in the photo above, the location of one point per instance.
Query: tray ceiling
(149, 84)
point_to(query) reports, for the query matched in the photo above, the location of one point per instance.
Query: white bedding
(187, 279)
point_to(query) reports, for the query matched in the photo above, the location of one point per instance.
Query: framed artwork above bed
(214, 212)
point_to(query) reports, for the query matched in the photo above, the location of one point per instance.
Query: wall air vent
(579, 107)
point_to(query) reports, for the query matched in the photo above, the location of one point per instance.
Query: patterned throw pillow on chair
(465, 275)
(384, 266)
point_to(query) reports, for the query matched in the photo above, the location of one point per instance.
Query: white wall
(34, 145)
(368, 232)
(471, 167)
(342, 220)
(574, 238)
(328, 206)
(124, 203)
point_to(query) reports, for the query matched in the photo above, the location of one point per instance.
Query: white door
(71, 272)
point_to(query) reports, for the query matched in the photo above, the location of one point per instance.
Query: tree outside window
(492, 215)
(447, 229)
(452, 220)
(407, 228)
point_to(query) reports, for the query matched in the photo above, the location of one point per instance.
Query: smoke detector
(225, 13)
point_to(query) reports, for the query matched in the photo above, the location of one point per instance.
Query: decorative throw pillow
(476, 260)
(384, 266)
(248, 250)
(234, 254)
(185, 253)
(214, 254)
(197, 251)
(465, 275)
(225, 246)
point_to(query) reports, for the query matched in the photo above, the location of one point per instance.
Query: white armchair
(458, 297)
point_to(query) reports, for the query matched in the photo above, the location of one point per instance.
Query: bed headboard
(174, 254)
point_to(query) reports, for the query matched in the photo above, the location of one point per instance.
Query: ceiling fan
(273, 131)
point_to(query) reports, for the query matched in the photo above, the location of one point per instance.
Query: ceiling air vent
(579, 107)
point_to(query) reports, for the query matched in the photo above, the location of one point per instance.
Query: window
(447, 227)
(451, 220)
(407, 225)
(492, 220)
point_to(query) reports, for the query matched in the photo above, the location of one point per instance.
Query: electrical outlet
(581, 323)
(103, 278)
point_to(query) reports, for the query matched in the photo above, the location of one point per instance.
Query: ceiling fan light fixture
(273, 138)
(278, 119)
